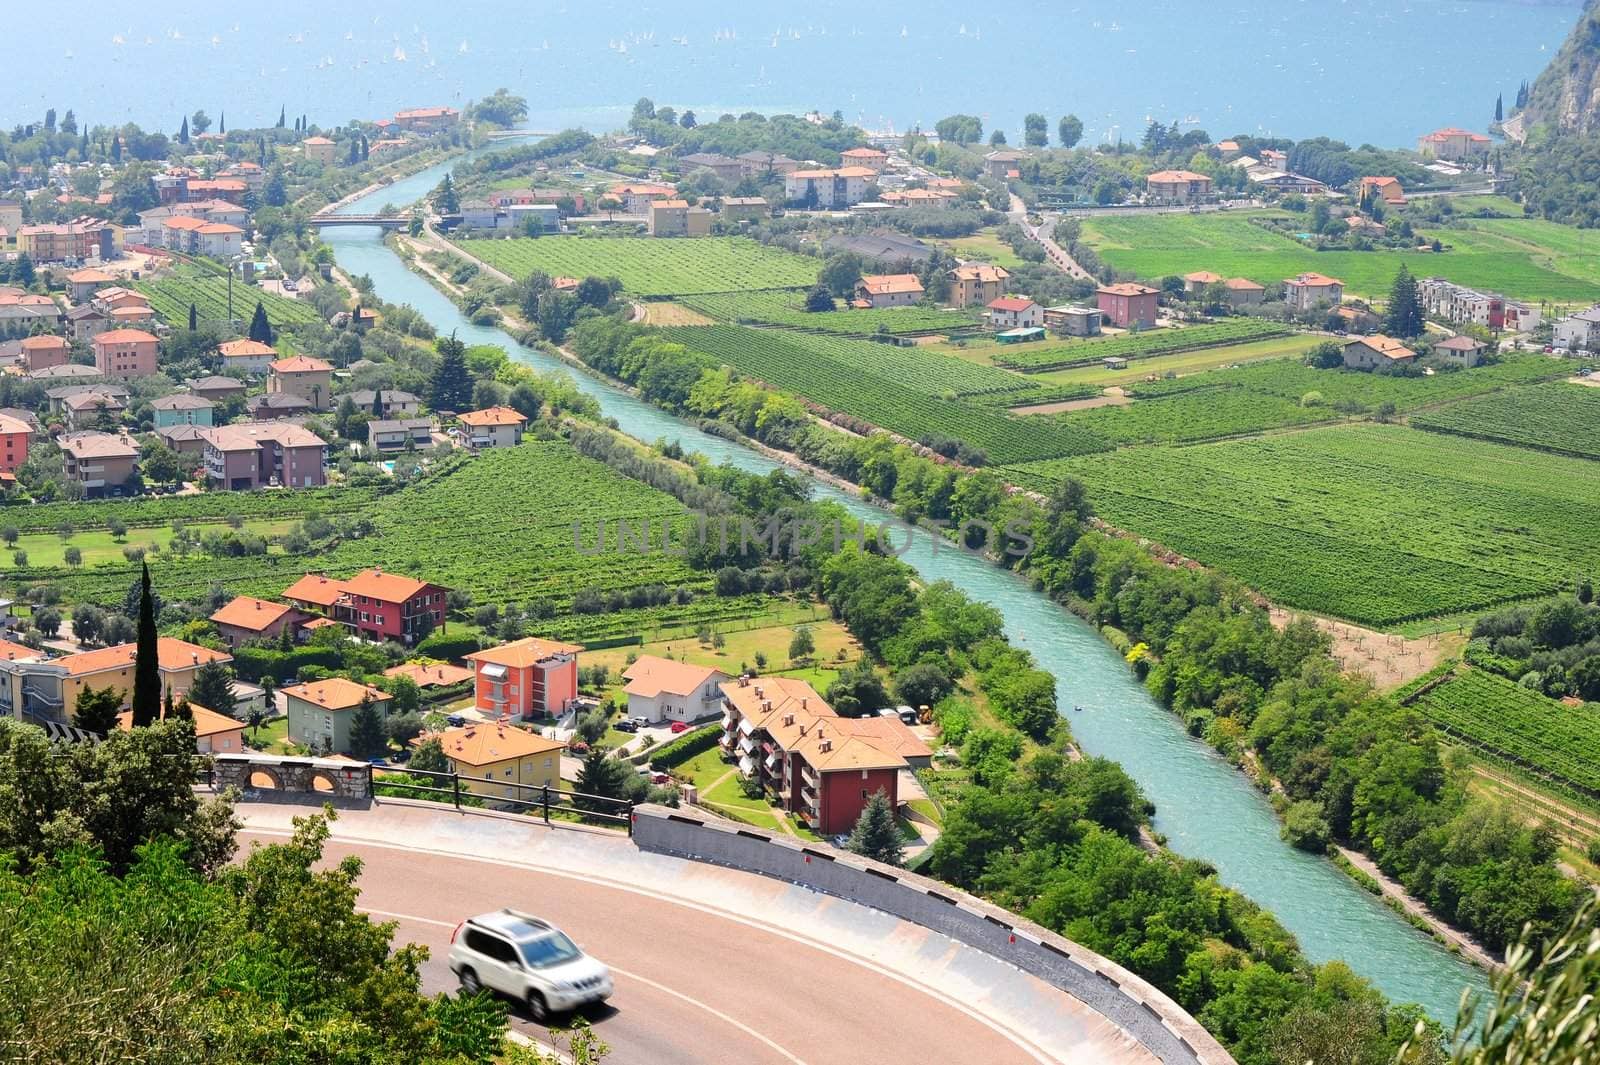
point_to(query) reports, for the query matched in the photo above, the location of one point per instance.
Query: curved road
(712, 967)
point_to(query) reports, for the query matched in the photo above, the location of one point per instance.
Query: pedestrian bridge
(386, 221)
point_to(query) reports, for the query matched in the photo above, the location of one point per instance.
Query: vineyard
(147, 511)
(170, 298)
(903, 390)
(1376, 523)
(1558, 417)
(1138, 345)
(788, 309)
(1520, 726)
(1188, 417)
(650, 266)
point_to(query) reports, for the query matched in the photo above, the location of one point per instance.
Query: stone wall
(262, 776)
(1135, 1006)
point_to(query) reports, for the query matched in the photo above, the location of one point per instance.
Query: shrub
(686, 747)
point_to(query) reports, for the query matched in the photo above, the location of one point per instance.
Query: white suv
(526, 959)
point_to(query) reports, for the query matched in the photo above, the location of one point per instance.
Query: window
(508, 772)
(547, 763)
(863, 793)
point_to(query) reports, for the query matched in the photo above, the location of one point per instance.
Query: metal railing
(542, 799)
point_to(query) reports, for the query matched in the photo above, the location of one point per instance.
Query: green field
(1559, 417)
(788, 309)
(1188, 417)
(1525, 728)
(651, 266)
(1515, 256)
(1184, 363)
(1377, 523)
(170, 298)
(1035, 358)
(909, 391)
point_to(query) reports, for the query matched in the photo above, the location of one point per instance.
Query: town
(313, 435)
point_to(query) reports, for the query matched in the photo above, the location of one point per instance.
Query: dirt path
(1469, 947)
(1569, 821)
(1109, 400)
(1388, 660)
(434, 242)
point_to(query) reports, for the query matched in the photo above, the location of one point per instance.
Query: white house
(1578, 331)
(831, 188)
(1309, 290)
(660, 689)
(1015, 312)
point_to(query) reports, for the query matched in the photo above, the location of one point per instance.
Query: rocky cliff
(1566, 98)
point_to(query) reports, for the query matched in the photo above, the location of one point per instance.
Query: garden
(651, 266)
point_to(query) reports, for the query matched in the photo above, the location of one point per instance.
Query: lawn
(986, 246)
(649, 266)
(1380, 524)
(1508, 255)
(788, 309)
(741, 647)
(705, 770)
(97, 546)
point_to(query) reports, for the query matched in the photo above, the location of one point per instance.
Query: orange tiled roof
(233, 349)
(385, 587)
(650, 675)
(172, 654)
(248, 612)
(890, 284)
(335, 693)
(492, 416)
(315, 588)
(486, 744)
(123, 336)
(436, 675)
(524, 652)
(206, 722)
(300, 364)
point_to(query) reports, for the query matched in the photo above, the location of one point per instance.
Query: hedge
(253, 663)
(686, 747)
(446, 646)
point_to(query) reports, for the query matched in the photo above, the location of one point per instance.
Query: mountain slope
(1566, 97)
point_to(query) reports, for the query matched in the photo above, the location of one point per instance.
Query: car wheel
(538, 1009)
(470, 984)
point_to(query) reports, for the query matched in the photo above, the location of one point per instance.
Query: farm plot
(1380, 524)
(651, 266)
(908, 391)
(170, 298)
(1154, 246)
(788, 309)
(1519, 726)
(1137, 345)
(1187, 417)
(1558, 417)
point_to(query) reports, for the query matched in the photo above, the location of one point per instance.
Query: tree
(997, 139)
(960, 129)
(275, 189)
(213, 688)
(819, 299)
(452, 380)
(840, 273)
(47, 621)
(200, 122)
(1500, 108)
(159, 463)
(403, 728)
(260, 328)
(445, 200)
(430, 758)
(72, 557)
(183, 133)
(1035, 130)
(96, 709)
(876, 835)
(687, 120)
(367, 737)
(147, 658)
(222, 123)
(10, 534)
(922, 684)
(1403, 318)
(801, 644)
(282, 115)
(194, 318)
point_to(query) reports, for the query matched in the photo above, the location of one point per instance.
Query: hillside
(1566, 96)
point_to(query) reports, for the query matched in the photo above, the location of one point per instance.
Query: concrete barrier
(1138, 1008)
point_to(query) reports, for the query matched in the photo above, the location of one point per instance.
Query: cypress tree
(377, 401)
(260, 328)
(116, 147)
(147, 662)
(222, 122)
(366, 149)
(183, 131)
(194, 318)
(1500, 108)
(281, 115)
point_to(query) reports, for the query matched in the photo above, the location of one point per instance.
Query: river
(1205, 807)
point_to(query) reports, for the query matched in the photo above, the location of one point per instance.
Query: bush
(449, 646)
(686, 747)
(1305, 827)
(253, 663)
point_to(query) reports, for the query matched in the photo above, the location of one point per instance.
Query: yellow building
(489, 757)
(318, 150)
(112, 667)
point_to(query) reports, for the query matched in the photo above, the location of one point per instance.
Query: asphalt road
(693, 986)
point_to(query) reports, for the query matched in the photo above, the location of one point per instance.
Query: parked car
(680, 726)
(625, 725)
(455, 721)
(527, 959)
(639, 722)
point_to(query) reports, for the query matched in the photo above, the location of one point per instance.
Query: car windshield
(549, 950)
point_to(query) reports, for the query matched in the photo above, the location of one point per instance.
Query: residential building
(1274, 157)
(315, 593)
(934, 198)
(387, 436)
(1308, 291)
(1386, 190)
(435, 675)
(759, 164)
(231, 190)
(10, 215)
(1457, 303)
(198, 236)
(24, 311)
(888, 290)
(379, 606)
(1003, 164)
(66, 242)
(39, 352)
(1227, 149)
(217, 388)
(828, 189)
(113, 667)
(871, 158)
(244, 617)
(663, 689)
(85, 320)
(502, 762)
(1198, 280)
(1128, 305)
(669, 218)
(1286, 183)
(1368, 353)
(427, 119)
(300, 375)
(977, 284)
(637, 197)
(1073, 321)
(480, 214)
(1015, 312)
(1460, 349)
(394, 401)
(1454, 145)
(322, 712)
(250, 455)
(187, 440)
(81, 284)
(816, 765)
(67, 371)
(214, 733)
(724, 167)
(1178, 186)
(745, 208)
(246, 357)
(14, 433)
(271, 406)
(100, 462)
(492, 427)
(181, 408)
(1578, 332)
(60, 395)
(525, 217)
(1243, 292)
(319, 150)
(93, 410)
(526, 678)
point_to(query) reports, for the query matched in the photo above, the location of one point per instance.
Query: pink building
(256, 454)
(526, 678)
(47, 350)
(1128, 305)
(125, 353)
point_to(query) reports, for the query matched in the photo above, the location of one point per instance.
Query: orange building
(125, 353)
(526, 678)
(40, 352)
(13, 443)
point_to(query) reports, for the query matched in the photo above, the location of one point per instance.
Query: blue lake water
(1363, 70)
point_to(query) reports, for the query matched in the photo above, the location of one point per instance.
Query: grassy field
(1376, 523)
(985, 246)
(98, 546)
(1559, 417)
(649, 266)
(1184, 363)
(788, 309)
(740, 648)
(1519, 257)
(1055, 354)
